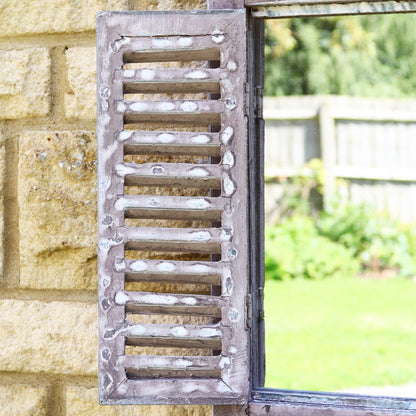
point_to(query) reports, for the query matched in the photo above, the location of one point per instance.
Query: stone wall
(48, 270)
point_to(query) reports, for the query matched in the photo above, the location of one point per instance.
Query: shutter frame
(135, 35)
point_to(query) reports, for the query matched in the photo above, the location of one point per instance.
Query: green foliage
(294, 249)
(361, 55)
(376, 240)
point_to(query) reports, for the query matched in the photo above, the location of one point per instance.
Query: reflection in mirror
(340, 202)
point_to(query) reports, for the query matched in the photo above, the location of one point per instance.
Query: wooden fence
(370, 143)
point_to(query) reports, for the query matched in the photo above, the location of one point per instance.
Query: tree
(360, 55)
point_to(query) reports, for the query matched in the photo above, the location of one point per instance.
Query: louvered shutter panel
(144, 60)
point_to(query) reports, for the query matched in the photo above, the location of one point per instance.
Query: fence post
(327, 134)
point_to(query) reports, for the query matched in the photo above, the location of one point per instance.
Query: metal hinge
(249, 312)
(258, 102)
(260, 303)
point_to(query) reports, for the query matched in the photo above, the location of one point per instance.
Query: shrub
(376, 240)
(294, 249)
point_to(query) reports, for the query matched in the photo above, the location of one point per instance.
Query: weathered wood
(225, 4)
(176, 207)
(154, 303)
(127, 41)
(170, 174)
(170, 143)
(172, 271)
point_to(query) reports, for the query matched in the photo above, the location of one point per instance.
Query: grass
(335, 334)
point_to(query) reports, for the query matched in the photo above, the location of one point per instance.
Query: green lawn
(337, 334)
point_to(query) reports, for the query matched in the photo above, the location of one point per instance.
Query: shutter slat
(174, 239)
(179, 336)
(156, 303)
(177, 271)
(154, 167)
(162, 207)
(169, 174)
(170, 143)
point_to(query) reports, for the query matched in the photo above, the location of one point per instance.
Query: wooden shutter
(145, 59)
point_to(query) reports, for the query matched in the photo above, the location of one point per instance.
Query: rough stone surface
(52, 16)
(57, 200)
(170, 4)
(54, 337)
(20, 400)
(24, 82)
(80, 101)
(2, 178)
(81, 401)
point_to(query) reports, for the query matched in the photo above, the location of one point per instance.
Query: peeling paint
(167, 106)
(158, 299)
(232, 65)
(120, 265)
(158, 170)
(201, 139)
(121, 107)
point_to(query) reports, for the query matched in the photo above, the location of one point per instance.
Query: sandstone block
(57, 200)
(52, 16)
(82, 401)
(21, 400)
(24, 82)
(2, 179)
(80, 102)
(54, 337)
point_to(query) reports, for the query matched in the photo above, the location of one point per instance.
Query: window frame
(267, 401)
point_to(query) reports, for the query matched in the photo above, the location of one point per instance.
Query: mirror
(340, 202)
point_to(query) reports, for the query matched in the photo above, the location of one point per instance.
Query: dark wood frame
(274, 402)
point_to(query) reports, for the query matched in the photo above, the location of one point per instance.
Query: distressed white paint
(198, 172)
(125, 135)
(161, 43)
(129, 73)
(138, 106)
(123, 170)
(200, 236)
(147, 74)
(158, 299)
(227, 135)
(137, 330)
(166, 137)
(232, 65)
(218, 37)
(121, 298)
(121, 107)
(185, 41)
(228, 159)
(138, 266)
(166, 106)
(166, 266)
(158, 170)
(189, 106)
(179, 331)
(210, 332)
(198, 203)
(197, 74)
(201, 139)
(189, 301)
(228, 184)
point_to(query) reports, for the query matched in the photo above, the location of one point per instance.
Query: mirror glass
(340, 204)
